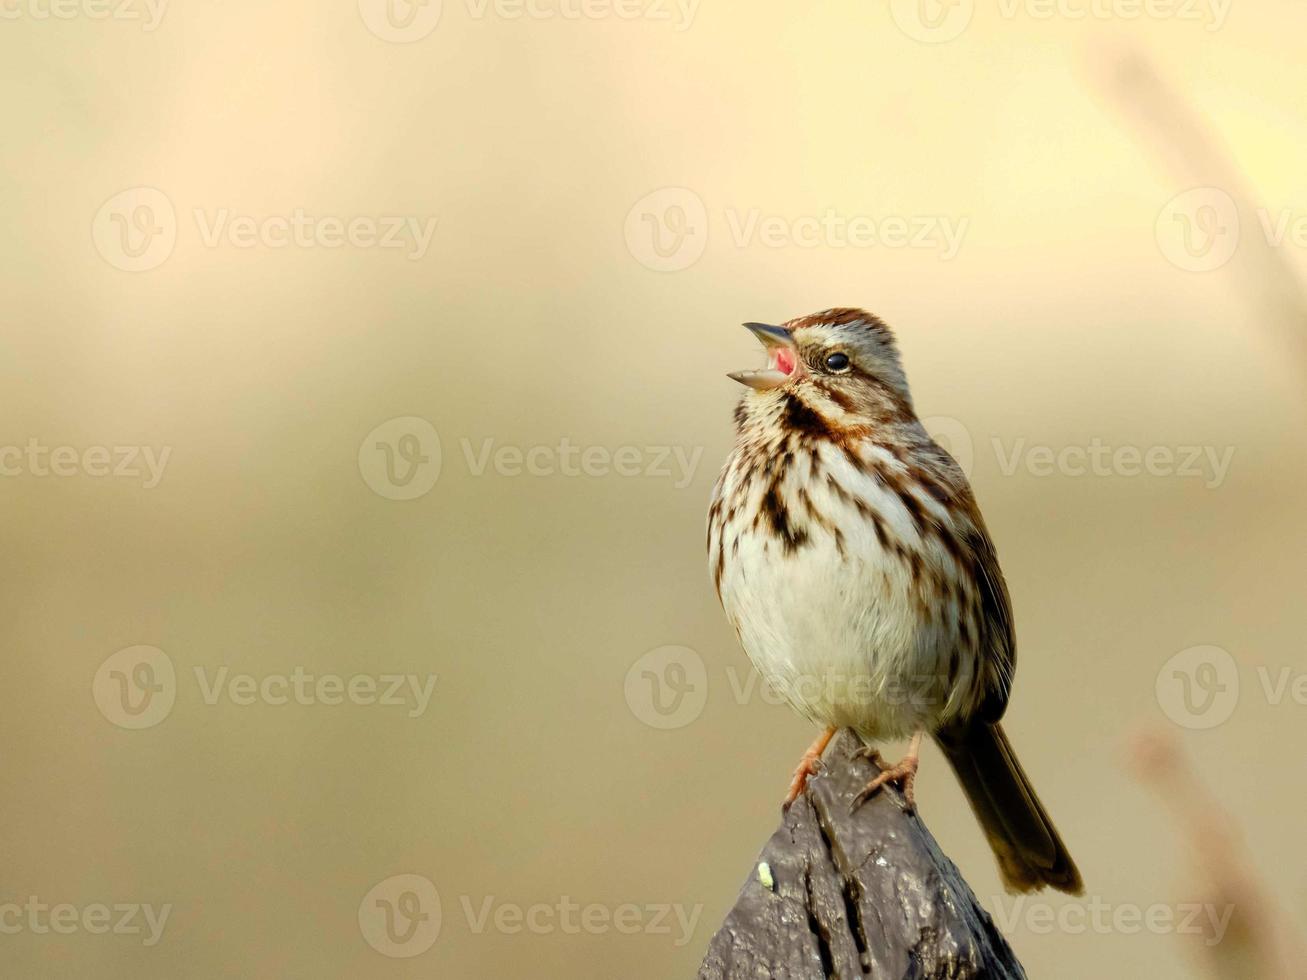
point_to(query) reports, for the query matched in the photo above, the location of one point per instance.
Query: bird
(850, 556)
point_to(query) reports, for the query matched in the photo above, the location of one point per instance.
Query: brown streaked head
(842, 363)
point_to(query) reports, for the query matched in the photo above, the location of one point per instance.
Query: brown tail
(1030, 853)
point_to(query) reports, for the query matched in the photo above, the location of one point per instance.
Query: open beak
(783, 364)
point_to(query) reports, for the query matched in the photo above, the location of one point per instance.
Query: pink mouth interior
(784, 360)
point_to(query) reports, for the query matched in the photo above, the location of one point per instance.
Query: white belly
(838, 625)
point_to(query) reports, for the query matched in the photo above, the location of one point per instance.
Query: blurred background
(364, 388)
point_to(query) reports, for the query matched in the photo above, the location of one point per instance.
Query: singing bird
(849, 554)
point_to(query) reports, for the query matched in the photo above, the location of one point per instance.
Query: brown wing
(998, 641)
(997, 644)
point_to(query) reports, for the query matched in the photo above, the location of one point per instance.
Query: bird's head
(842, 364)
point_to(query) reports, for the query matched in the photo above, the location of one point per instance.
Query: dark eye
(838, 362)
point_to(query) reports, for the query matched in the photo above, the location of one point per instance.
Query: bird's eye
(839, 363)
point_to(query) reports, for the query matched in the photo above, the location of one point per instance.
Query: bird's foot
(809, 765)
(903, 775)
(872, 754)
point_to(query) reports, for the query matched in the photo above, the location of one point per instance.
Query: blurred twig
(1258, 942)
(1163, 120)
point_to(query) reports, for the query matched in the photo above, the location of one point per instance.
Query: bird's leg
(904, 774)
(808, 765)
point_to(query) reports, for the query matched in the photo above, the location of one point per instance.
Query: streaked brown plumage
(850, 555)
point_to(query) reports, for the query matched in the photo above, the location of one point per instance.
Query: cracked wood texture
(868, 894)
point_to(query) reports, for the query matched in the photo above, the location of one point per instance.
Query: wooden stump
(835, 894)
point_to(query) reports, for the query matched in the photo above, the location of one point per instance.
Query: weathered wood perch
(867, 894)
